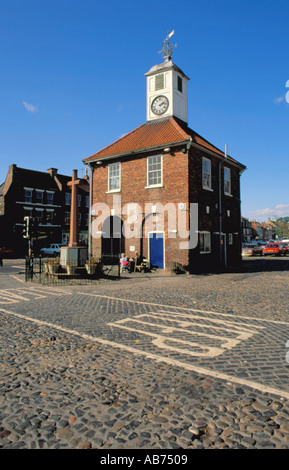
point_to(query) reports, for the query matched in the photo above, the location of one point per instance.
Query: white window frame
(67, 218)
(28, 192)
(50, 194)
(39, 215)
(37, 193)
(112, 177)
(230, 239)
(149, 171)
(68, 199)
(227, 181)
(206, 243)
(208, 186)
(51, 212)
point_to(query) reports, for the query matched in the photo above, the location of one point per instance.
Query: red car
(276, 249)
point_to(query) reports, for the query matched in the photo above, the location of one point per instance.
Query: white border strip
(17, 278)
(199, 370)
(186, 308)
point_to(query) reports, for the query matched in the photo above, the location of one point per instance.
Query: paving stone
(260, 406)
(71, 392)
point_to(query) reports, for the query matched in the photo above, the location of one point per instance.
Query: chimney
(12, 167)
(86, 177)
(52, 172)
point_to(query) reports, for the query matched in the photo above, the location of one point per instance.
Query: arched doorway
(112, 241)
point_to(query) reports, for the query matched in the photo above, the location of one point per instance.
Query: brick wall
(208, 209)
(182, 183)
(133, 190)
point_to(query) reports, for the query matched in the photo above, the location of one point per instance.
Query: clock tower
(167, 91)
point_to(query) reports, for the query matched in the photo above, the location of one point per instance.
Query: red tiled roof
(151, 135)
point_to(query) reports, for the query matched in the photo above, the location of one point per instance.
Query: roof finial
(167, 50)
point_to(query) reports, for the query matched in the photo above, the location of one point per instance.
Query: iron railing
(49, 270)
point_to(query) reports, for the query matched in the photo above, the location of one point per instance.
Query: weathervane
(167, 50)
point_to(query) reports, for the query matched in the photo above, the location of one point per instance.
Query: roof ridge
(154, 134)
(216, 149)
(179, 128)
(188, 134)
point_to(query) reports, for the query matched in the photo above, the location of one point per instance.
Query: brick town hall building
(163, 164)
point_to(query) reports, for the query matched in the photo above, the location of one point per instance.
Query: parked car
(261, 243)
(276, 249)
(53, 250)
(249, 249)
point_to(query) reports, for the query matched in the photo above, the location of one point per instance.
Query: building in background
(165, 162)
(263, 230)
(247, 230)
(45, 198)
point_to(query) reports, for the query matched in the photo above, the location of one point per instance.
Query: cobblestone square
(151, 361)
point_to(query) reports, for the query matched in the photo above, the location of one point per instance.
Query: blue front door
(157, 250)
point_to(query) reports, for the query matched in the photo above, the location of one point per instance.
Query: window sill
(228, 194)
(113, 191)
(208, 189)
(37, 204)
(154, 186)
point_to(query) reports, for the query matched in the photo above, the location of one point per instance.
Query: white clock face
(160, 104)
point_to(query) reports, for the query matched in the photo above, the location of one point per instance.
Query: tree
(281, 227)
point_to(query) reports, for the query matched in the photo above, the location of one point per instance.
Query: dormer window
(159, 82)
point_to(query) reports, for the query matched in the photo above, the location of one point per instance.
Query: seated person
(136, 261)
(138, 258)
(124, 262)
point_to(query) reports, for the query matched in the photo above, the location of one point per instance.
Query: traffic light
(26, 227)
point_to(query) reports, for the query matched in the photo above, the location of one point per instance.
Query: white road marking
(9, 296)
(17, 278)
(239, 333)
(160, 342)
(183, 308)
(160, 359)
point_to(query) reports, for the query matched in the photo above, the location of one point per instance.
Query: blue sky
(72, 81)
